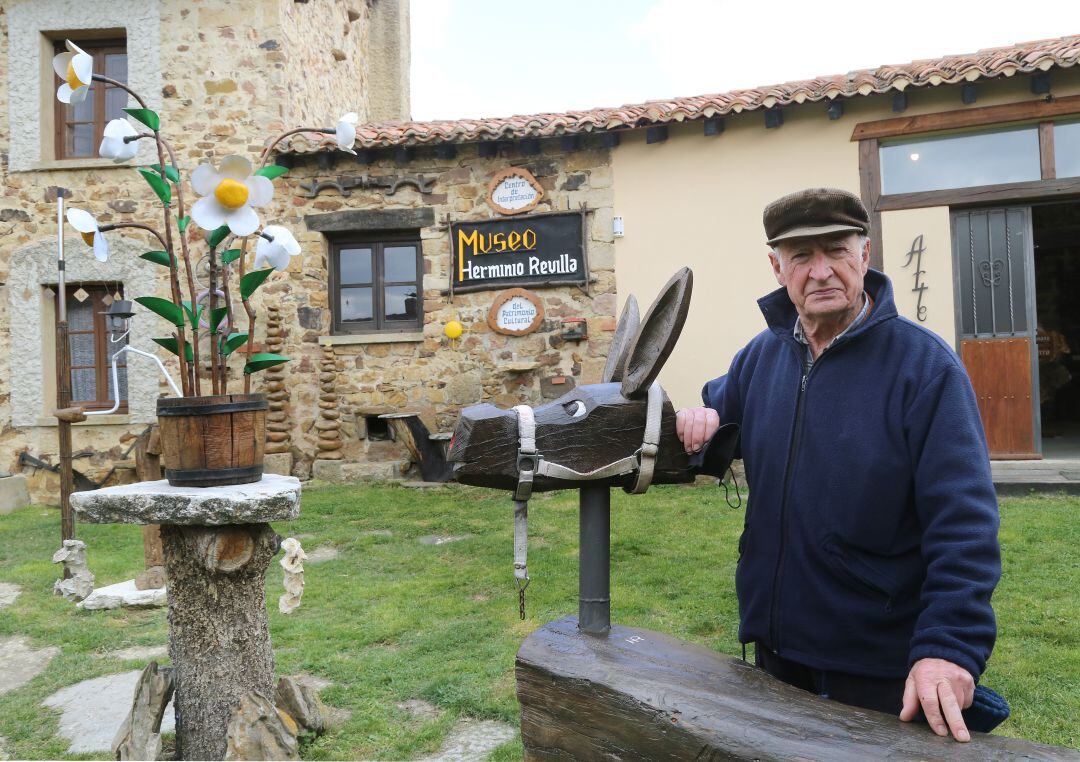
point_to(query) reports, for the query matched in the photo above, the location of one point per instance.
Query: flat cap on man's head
(813, 212)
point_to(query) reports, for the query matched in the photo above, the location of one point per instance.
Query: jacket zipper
(774, 618)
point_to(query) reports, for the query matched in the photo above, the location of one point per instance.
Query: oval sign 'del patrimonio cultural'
(514, 191)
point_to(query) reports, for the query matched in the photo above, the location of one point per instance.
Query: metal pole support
(594, 563)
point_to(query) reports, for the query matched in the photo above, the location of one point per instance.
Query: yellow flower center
(231, 194)
(72, 78)
(88, 238)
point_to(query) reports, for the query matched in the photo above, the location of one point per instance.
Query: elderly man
(869, 550)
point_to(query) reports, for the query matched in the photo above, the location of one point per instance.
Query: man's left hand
(943, 689)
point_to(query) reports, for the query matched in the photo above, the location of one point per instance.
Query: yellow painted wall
(697, 201)
(900, 232)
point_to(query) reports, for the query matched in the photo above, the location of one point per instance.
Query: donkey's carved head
(593, 426)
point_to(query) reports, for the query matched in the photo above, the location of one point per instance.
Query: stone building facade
(223, 76)
(687, 176)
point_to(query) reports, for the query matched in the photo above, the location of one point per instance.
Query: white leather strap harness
(531, 463)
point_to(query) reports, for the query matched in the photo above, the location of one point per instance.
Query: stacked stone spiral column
(329, 423)
(278, 438)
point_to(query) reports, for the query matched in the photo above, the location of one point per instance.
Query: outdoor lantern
(118, 317)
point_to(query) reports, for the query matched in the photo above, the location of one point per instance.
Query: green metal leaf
(262, 361)
(215, 237)
(161, 188)
(234, 342)
(230, 256)
(252, 281)
(193, 314)
(159, 258)
(164, 308)
(216, 316)
(171, 172)
(183, 222)
(271, 171)
(171, 345)
(146, 116)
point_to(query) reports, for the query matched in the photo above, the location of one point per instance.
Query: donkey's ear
(620, 344)
(657, 336)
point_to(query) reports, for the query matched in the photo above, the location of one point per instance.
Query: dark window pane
(115, 100)
(356, 304)
(84, 385)
(1067, 149)
(400, 302)
(80, 141)
(961, 161)
(399, 263)
(83, 111)
(355, 266)
(116, 67)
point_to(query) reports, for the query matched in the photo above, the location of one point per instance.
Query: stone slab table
(218, 544)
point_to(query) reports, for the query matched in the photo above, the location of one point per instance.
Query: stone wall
(327, 44)
(224, 76)
(429, 374)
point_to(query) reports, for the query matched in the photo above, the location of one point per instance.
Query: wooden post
(219, 636)
(63, 385)
(217, 546)
(148, 469)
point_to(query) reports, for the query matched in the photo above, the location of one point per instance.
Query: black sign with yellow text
(528, 251)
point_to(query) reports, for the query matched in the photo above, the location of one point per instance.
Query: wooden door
(995, 301)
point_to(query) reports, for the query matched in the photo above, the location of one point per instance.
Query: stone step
(341, 472)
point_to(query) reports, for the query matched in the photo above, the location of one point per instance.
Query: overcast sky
(474, 58)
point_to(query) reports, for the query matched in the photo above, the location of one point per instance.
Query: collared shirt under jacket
(870, 538)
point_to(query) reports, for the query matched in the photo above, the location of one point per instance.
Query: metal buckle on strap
(527, 463)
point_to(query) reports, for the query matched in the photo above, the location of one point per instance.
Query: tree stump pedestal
(636, 694)
(217, 545)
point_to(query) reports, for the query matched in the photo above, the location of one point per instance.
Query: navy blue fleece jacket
(870, 538)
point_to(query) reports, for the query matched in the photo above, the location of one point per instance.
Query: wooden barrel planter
(212, 441)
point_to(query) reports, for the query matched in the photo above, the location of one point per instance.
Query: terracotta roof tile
(1027, 57)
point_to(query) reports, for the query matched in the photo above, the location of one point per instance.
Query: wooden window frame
(378, 324)
(102, 366)
(1042, 113)
(97, 49)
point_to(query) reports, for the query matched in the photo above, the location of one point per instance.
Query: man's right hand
(696, 426)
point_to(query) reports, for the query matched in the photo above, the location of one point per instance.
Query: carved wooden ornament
(516, 312)
(514, 190)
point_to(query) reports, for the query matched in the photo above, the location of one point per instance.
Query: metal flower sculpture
(228, 196)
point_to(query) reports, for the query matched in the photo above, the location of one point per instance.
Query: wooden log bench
(636, 694)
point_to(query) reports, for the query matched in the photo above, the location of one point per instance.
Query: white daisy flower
(87, 226)
(228, 195)
(277, 252)
(345, 134)
(76, 68)
(113, 145)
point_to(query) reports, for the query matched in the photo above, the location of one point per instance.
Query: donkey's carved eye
(575, 409)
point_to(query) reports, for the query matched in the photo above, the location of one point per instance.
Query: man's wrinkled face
(823, 275)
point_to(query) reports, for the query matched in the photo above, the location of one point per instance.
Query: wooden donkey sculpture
(617, 433)
(592, 691)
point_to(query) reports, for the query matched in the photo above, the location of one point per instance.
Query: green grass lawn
(392, 619)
